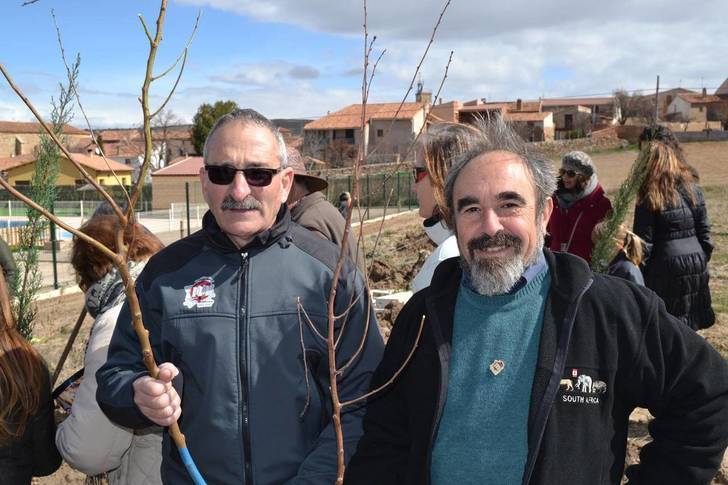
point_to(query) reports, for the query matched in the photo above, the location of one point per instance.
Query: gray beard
(491, 277)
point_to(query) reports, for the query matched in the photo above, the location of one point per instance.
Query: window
(380, 132)
(79, 182)
(700, 108)
(22, 183)
(349, 133)
(102, 181)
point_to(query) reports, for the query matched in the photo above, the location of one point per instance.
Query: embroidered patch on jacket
(201, 293)
(581, 388)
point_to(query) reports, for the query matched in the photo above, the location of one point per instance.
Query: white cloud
(507, 49)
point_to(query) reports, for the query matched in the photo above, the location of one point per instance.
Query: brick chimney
(705, 92)
(423, 97)
(519, 104)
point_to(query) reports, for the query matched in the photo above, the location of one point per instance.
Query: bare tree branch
(395, 375)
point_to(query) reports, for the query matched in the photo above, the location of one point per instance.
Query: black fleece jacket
(607, 346)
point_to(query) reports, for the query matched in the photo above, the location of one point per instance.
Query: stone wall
(606, 139)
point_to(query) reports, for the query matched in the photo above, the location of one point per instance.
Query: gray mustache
(248, 203)
(500, 238)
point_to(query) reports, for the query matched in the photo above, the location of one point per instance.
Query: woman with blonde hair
(433, 158)
(672, 219)
(88, 441)
(627, 250)
(26, 411)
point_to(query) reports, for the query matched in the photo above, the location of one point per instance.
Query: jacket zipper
(549, 396)
(243, 318)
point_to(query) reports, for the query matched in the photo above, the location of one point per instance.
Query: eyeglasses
(254, 176)
(419, 173)
(568, 173)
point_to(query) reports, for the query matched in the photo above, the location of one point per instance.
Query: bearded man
(529, 364)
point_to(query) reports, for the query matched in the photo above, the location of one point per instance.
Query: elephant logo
(584, 383)
(599, 387)
(566, 385)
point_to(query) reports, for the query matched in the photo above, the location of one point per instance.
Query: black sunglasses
(419, 173)
(569, 173)
(254, 176)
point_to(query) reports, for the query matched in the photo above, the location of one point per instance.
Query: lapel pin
(497, 366)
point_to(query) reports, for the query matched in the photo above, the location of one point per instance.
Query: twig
(303, 356)
(184, 51)
(80, 106)
(396, 374)
(308, 320)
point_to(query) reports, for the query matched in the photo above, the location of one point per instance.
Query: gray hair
(494, 134)
(249, 117)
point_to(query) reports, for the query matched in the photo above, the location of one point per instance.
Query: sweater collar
(220, 240)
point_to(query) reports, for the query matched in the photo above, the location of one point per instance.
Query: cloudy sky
(302, 58)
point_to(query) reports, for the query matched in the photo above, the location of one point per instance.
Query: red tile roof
(350, 117)
(173, 133)
(186, 166)
(91, 161)
(723, 89)
(699, 98)
(577, 101)
(24, 127)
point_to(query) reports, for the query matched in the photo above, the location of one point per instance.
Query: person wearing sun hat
(310, 209)
(579, 205)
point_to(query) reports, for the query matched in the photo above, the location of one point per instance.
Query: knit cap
(579, 162)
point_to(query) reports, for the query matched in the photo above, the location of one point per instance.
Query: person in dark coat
(628, 250)
(310, 208)
(579, 204)
(27, 427)
(672, 219)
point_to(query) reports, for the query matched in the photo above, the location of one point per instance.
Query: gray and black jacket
(253, 409)
(607, 346)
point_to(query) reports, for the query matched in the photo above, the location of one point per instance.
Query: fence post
(399, 202)
(53, 250)
(171, 211)
(409, 193)
(369, 200)
(187, 205)
(10, 210)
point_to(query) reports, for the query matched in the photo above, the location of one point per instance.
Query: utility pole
(657, 99)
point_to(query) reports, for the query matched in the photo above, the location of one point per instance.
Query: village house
(722, 91)
(126, 145)
(693, 107)
(21, 138)
(18, 170)
(527, 117)
(168, 183)
(388, 131)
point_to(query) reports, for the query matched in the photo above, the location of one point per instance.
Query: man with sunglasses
(235, 313)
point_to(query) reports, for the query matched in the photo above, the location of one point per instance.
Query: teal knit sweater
(483, 434)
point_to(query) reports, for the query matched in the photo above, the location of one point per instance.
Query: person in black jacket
(236, 315)
(672, 219)
(526, 364)
(27, 428)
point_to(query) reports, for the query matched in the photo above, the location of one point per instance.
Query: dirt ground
(402, 247)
